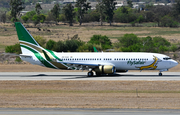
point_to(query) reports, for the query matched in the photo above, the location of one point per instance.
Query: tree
(174, 48)
(147, 44)
(3, 17)
(130, 43)
(24, 18)
(104, 41)
(100, 8)
(42, 18)
(160, 11)
(82, 8)
(50, 44)
(16, 7)
(60, 47)
(55, 12)
(69, 13)
(40, 40)
(30, 14)
(36, 19)
(167, 21)
(176, 7)
(160, 44)
(38, 8)
(124, 14)
(86, 48)
(129, 2)
(71, 45)
(128, 40)
(109, 9)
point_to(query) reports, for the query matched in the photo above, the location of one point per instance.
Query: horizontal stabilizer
(20, 55)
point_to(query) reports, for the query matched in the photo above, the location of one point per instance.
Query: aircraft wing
(84, 65)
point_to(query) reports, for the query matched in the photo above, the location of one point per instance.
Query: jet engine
(105, 69)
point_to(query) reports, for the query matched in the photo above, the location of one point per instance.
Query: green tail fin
(24, 35)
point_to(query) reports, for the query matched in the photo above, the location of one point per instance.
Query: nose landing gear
(160, 74)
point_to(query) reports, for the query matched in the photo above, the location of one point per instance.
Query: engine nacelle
(105, 69)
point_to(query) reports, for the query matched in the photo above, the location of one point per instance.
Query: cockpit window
(166, 58)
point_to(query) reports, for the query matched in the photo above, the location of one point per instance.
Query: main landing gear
(90, 74)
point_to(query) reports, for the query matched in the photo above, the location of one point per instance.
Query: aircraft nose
(174, 63)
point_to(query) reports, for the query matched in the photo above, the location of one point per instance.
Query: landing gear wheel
(160, 74)
(90, 74)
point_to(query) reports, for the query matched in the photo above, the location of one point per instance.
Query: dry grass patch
(90, 94)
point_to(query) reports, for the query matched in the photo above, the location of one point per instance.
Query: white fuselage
(121, 60)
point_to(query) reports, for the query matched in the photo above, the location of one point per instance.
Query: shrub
(60, 47)
(104, 41)
(40, 40)
(167, 21)
(36, 19)
(42, 18)
(50, 44)
(175, 56)
(128, 40)
(13, 49)
(71, 45)
(18, 59)
(30, 14)
(124, 15)
(62, 18)
(174, 48)
(86, 48)
(24, 18)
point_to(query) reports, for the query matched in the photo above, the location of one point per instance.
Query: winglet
(95, 50)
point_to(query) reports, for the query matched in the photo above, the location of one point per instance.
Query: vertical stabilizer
(26, 40)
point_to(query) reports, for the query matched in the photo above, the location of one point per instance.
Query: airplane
(100, 63)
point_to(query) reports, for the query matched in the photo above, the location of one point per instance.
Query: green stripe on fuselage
(40, 58)
(52, 53)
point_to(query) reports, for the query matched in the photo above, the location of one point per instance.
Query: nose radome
(174, 63)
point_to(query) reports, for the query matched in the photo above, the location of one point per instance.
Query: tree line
(164, 16)
(126, 43)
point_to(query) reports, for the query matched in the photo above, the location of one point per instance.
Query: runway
(147, 76)
(61, 111)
